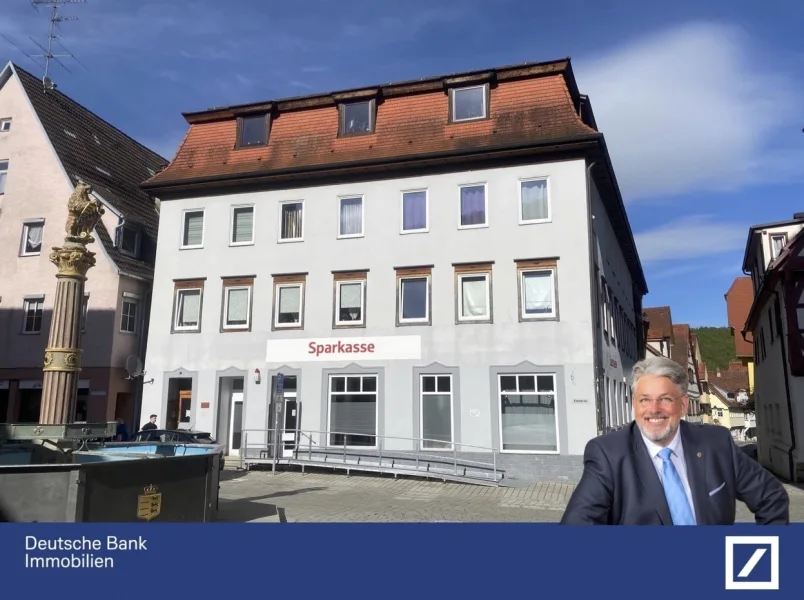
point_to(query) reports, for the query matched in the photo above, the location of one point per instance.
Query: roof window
(469, 103)
(356, 118)
(252, 130)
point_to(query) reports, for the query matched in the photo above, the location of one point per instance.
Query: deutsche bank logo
(752, 562)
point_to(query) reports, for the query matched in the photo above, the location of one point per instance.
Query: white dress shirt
(677, 458)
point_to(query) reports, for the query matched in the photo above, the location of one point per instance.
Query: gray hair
(660, 366)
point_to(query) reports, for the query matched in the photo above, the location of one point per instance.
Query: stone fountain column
(62, 362)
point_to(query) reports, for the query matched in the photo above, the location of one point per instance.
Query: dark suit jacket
(620, 485)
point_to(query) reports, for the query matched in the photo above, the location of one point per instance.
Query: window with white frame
(778, 242)
(187, 311)
(537, 293)
(32, 233)
(356, 118)
(33, 310)
(350, 300)
(288, 308)
(3, 175)
(414, 211)
(414, 299)
(291, 221)
(242, 225)
(5, 125)
(236, 305)
(192, 235)
(128, 313)
(528, 418)
(436, 412)
(534, 205)
(350, 222)
(473, 206)
(469, 103)
(353, 410)
(474, 297)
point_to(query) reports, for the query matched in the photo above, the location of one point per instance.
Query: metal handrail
(420, 453)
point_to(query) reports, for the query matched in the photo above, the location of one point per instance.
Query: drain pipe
(594, 296)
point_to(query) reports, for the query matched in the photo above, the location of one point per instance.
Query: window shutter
(194, 229)
(243, 227)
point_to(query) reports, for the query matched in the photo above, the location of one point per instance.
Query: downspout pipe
(790, 416)
(592, 251)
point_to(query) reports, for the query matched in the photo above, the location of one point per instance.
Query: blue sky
(700, 102)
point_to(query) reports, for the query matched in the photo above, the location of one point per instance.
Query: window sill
(422, 323)
(483, 321)
(414, 231)
(191, 247)
(30, 332)
(237, 244)
(351, 236)
(468, 120)
(530, 452)
(28, 254)
(186, 331)
(525, 319)
(536, 221)
(127, 332)
(349, 325)
(483, 226)
(289, 240)
(292, 327)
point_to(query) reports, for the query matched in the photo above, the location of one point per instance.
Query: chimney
(718, 371)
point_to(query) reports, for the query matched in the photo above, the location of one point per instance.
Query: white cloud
(690, 109)
(690, 237)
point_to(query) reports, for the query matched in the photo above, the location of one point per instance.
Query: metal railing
(272, 447)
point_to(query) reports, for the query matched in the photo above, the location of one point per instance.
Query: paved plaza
(293, 497)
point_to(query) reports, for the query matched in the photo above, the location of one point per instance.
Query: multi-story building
(48, 143)
(447, 258)
(774, 258)
(739, 298)
(683, 352)
(659, 335)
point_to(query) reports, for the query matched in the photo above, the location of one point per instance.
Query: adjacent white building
(774, 258)
(429, 263)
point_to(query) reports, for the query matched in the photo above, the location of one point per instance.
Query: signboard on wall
(334, 349)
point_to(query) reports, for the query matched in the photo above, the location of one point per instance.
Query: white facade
(777, 388)
(451, 376)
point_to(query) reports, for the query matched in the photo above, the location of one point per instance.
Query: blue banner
(439, 560)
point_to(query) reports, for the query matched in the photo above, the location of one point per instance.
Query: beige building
(49, 142)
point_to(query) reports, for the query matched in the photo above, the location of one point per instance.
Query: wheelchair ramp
(464, 464)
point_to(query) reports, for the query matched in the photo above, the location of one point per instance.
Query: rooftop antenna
(55, 21)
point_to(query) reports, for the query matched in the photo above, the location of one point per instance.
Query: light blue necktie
(674, 491)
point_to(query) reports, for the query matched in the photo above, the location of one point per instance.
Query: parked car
(181, 436)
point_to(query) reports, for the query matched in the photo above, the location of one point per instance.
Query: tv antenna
(48, 55)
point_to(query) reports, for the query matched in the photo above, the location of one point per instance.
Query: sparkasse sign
(397, 347)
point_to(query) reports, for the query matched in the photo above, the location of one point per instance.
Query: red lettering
(339, 348)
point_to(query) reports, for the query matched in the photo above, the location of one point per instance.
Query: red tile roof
(527, 104)
(739, 299)
(733, 380)
(680, 351)
(660, 323)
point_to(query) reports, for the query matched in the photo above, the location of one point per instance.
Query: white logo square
(735, 581)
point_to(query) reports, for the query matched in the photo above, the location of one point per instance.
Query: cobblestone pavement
(259, 496)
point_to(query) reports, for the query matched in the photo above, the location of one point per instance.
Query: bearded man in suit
(662, 470)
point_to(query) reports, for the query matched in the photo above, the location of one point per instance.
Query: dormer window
(778, 242)
(252, 130)
(469, 103)
(357, 118)
(130, 240)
